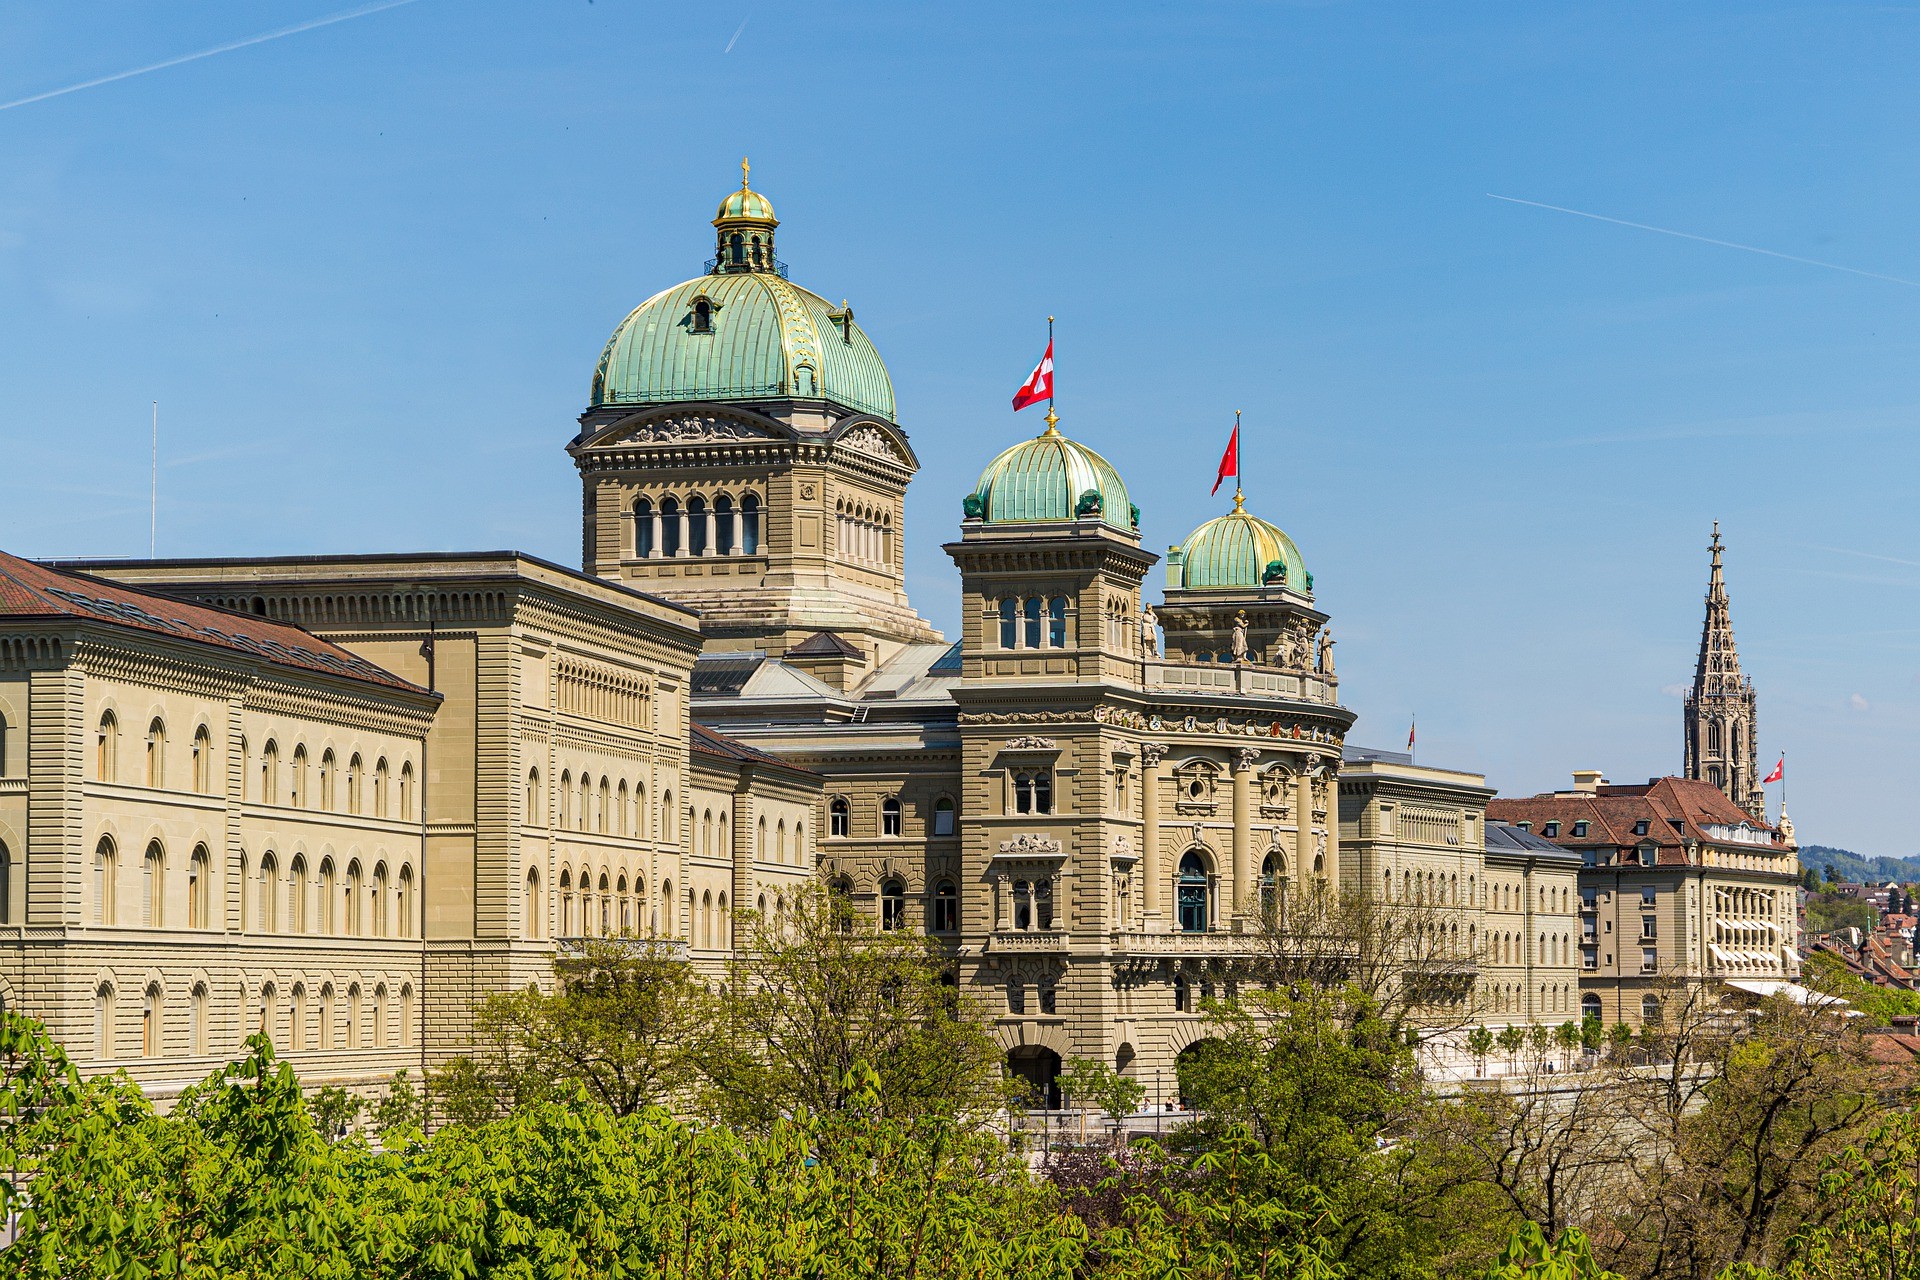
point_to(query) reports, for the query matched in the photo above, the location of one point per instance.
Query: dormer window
(1640, 827)
(1551, 830)
(843, 321)
(702, 316)
(1579, 829)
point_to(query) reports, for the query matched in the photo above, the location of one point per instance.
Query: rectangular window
(1647, 895)
(1640, 827)
(1589, 899)
(1649, 959)
(1589, 958)
(1647, 927)
(1579, 829)
(1032, 637)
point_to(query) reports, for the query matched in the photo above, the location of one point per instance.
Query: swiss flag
(1229, 461)
(1779, 771)
(1039, 383)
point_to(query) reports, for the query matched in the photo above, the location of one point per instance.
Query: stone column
(653, 543)
(999, 903)
(739, 524)
(707, 547)
(1150, 877)
(1303, 825)
(1243, 762)
(685, 526)
(1333, 823)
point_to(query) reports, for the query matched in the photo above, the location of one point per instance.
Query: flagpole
(1239, 464)
(1052, 417)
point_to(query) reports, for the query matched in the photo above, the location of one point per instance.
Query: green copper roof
(769, 339)
(1239, 550)
(745, 204)
(1051, 478)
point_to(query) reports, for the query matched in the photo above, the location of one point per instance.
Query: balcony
(1213, 943)
(656, 948)
(715, 267)
(1027, 941)
(1243, 679)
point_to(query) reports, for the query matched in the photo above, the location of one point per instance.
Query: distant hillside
(1849, 865)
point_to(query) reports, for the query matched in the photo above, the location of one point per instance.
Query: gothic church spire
(1721, 712)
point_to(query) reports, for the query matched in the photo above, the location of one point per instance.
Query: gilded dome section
(746, 335)
(1051, 478)
(1240, 551)
(745, 205)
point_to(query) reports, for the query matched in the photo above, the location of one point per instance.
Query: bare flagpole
(153, 490)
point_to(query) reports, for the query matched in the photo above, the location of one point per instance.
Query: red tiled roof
(707, 742)
(30, 590)
(1675, 810)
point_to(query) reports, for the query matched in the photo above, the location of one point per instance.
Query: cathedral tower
(1721, 716)
(740, 456)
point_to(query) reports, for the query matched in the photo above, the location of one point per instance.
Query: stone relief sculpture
(871, 440)
(694, 430)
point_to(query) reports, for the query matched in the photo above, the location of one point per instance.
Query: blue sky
(367, 269)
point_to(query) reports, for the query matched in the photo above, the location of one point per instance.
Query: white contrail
(736, 35)
(1724, 244)
(294, 30)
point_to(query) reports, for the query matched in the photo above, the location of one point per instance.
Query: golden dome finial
(745, 169)
(1053, 421)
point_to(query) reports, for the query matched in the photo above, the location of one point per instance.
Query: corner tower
(740, 455)
(1721, 714)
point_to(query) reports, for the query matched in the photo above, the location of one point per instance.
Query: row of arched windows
(942, 903)
(1443, 889)
(1510, 948)
(1510, 997)
(863, 534)
(335, 1018)
(350, 905)
(780, 846)
(1032, 623)
(603, 807)
(697, 526)
(606, 906)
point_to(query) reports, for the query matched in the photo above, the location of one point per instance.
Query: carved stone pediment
(1030, 845)
(691, 428)
(872, 441)
(1031, 742)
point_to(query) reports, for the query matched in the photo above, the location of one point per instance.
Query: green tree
(1529, 1255)
(1088, 1080)
(821, 989)
(401, 1113)
(335, 1111)
(1480, 1044)
(1511, 1040)
(626, 1021)
(1566, 1037)
(1593, 1034)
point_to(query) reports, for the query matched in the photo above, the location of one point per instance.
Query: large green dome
(1239, 551)
(758, 338)
(1051, 478)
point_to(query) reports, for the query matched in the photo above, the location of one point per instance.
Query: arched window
(406, 1014)
(270, 773)
(1193, 893)
(202, 761)
(893, 905)
(1590, 1007)
(737, 249)
(199, 889)
(669, 817)
(352, 1012)
(326, 895)
(780, 842)
(697, 543)
(103, 1021)
(566, 904)
(533, 817)
(642, 529)
(353, 923)
(702, 316)
(1272, 884)
(1650, 1011)
(380, 796)
(157, 753)
(946, 908)
(381, 1031)
(152, 1009)
(667, 922)
(1713, 737)
(750, 524)
(534, 907)
(297, 895)
(890, 816)
(1182, 995)
(839, 817)
(943, 813)
(620, 810)
(297, 1018)
(1032, 638)
(606, 797)
(403, 903)
(269, 1023)
(724, 542)
(840, 902)
(1057, 623)
(153, 888)
(406, 789)
(354, 770)
(107, 749)
(197, 1021)
(268, 920)
(1009, 623)
(326, 1016)
(298, 793)
(6, 885)
(379, 900)
(670, 526)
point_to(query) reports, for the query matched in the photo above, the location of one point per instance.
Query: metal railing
(717, 266)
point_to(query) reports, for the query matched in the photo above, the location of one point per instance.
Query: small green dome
(1051, 478)
(746, 335)
(1240, 551)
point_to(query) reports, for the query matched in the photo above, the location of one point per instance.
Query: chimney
(1587, 780)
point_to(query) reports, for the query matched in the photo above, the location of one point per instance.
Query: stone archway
(1039, 1066)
